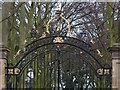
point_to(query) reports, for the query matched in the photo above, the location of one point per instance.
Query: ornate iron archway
(56, 62)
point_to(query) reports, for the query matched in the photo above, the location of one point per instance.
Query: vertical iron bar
(47, 79)
(13, 82)
(41, 72)
(58, 69)
(26, 82)
(50, 71)
(34, 73)
(55, 69)
(16, 82)
(30, 76)
(69, 71)
(23, 78)
(37, 70)
(44, 69)
(101, 82)
(86, 75)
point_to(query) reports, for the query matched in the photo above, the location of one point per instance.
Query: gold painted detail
(60, 15)
(104, 71)
(58, 40)
(12, 71)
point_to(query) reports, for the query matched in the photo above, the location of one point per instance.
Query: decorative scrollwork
(58, 40)
(58, 14)
(102, 71)
(13, 71)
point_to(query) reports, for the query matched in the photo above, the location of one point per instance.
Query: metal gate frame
(17, 70)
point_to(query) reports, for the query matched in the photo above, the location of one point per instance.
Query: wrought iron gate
(56, 62)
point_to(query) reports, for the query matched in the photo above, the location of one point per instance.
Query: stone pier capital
(114, 48)
(3, 52)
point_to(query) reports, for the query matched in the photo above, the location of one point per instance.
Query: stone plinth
(3, 59)
(115, 50)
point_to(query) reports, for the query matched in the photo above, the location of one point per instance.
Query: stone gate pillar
(115, 50)
(3, 60)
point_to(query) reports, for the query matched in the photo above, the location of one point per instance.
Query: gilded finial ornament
(58, 14)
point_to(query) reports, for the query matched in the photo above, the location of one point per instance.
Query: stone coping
(114, 48)
(3, 48)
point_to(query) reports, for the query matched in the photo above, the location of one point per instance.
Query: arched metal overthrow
(56, 62)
